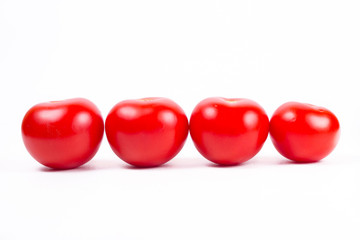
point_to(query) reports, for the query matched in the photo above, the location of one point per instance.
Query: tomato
(146, 132)
(228, 131)
(303, 132)
(63, 134)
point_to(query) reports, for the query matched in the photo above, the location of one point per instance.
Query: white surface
(107, 51)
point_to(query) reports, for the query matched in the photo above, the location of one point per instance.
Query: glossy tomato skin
(63, 134)
(146, 132)
(303, 132)
(228, 131)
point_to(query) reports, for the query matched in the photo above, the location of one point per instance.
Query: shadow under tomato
(176, 163)
(78, 169)
(285, 161)
(131, 167)
(214, 165)
(93, 165)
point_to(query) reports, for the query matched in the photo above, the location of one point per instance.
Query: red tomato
(303, 132)
(146, 132)
(228, 131)
(63, 134)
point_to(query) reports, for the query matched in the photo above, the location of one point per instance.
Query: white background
(108, 51)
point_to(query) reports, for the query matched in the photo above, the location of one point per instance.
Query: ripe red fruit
(303, 132)
(146, 132)
(63, 134)
(228, 131)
